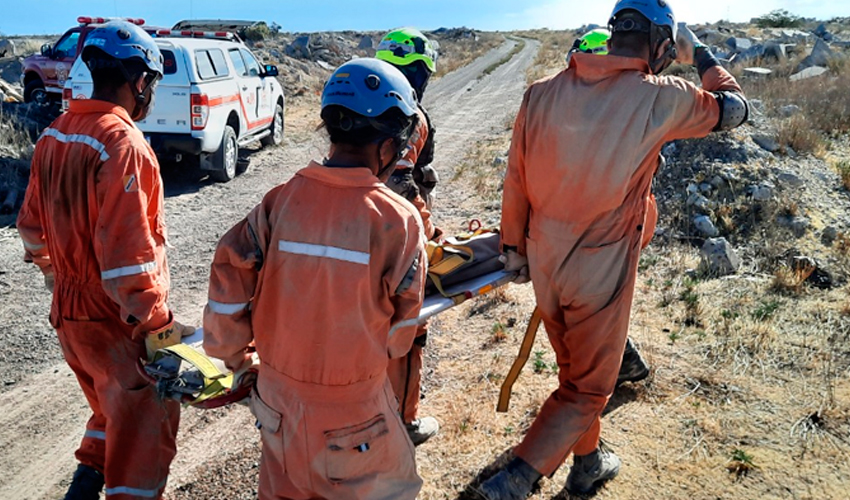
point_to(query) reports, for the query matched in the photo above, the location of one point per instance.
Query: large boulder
(719, 258)
(821, 55)
(739, 44)
(776, 50)
(299, 48)
(7, 48)
(366, 43)
(807, 73)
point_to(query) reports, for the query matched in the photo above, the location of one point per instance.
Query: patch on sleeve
(130, 184)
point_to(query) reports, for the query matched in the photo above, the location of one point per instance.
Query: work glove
(687, 43)
(166, 336)
(516, 263)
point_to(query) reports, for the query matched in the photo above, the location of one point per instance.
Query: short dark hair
(346, 127)
(629, 40)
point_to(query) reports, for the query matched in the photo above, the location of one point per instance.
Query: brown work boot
(422, 429)
(514, 482)
(589, 471)
(634, 368)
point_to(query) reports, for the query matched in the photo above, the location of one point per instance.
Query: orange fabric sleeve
(717, 78)
(515, 204)
(234, 274)
(29, 224)
(128, 190)
(407, 303)
(425, 214)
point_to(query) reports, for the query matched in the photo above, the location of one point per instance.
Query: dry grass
(550, 59)
(455, 54)
(484, 167)
(824, 103)
(843, 169)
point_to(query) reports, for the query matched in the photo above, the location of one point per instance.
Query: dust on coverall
(406, 372)
(325, 276)
(577, 202)
(93, 217)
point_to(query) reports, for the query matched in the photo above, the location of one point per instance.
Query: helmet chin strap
(661, 63)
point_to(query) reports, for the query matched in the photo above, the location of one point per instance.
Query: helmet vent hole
(123, 34)
(373, 82)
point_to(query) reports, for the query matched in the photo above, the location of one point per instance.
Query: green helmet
(405, 46)
(595, 42)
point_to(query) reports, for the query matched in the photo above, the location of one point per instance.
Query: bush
(257, 32)
(779, 18)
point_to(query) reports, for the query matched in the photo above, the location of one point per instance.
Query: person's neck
(121, 97)
(345, 158)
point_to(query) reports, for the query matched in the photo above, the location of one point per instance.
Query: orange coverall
(577, 202)
(92, 217)
(406, 372)
(325, 276)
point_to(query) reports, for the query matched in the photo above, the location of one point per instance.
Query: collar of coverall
(82, 106)
(598, 67)
(351, 177)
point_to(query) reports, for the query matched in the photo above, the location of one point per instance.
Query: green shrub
(779, 18)
(257, 32)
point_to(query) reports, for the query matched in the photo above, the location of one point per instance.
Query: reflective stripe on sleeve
(226, 309)
(95, 434)
(120, 272)
(83, 139)
(403, 324)
(323, 251)
(30, 246)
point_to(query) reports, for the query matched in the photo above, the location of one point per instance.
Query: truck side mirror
(270, 70)
(47, 50)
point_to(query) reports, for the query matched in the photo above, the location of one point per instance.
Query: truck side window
(211, 64)
(219, 64)
(169, 62)
(238, 63)
(67, 47)
(251, 62)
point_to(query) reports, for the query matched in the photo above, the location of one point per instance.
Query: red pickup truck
(44, 74)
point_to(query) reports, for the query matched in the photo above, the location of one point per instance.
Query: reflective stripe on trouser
(405, 374)
(585, 302)
(131, 434)
(343, 442)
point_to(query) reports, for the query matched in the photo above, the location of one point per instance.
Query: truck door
(58, 66)
(253, 85)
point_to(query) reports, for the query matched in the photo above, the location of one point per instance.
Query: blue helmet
(122, 41)
(369, 87)
(658, 12)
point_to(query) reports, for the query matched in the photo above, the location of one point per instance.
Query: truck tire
(35, 91)
(224, 160)
(276, 137)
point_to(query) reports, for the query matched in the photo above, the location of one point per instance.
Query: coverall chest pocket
(357, 451)
(268, 421)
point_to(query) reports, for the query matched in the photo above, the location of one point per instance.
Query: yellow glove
(166, 336)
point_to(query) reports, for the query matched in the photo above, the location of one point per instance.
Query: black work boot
(589, 471)
(86, 484)
(514, 482)
(634, 368)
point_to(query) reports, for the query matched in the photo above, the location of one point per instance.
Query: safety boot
(422, 429)
(634, 368)
(589, 471)
(86, 484)
(514, 482)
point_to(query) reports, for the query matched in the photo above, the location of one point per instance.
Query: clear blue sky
(54, 16)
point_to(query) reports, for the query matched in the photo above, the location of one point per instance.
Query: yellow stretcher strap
(519, 362)
(198, 360)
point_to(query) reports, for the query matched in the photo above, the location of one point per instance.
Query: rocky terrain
(741, 308)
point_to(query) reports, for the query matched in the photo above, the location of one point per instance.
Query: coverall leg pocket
(357, 451)
(601, 272)
(269, 423)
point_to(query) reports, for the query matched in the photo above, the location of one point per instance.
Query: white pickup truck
(214, 97)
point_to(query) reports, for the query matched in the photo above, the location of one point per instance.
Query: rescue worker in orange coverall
(93, 221)
(414, 179)
(575, 211)
(326, 278)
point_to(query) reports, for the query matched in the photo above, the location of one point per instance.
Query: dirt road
(43, 412)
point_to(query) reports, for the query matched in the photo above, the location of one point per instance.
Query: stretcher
(184, 372)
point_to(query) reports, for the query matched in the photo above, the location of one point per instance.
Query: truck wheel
(276, 136)
(35, 92)
(224, 160)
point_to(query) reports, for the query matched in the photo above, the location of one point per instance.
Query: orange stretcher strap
(519, 362)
